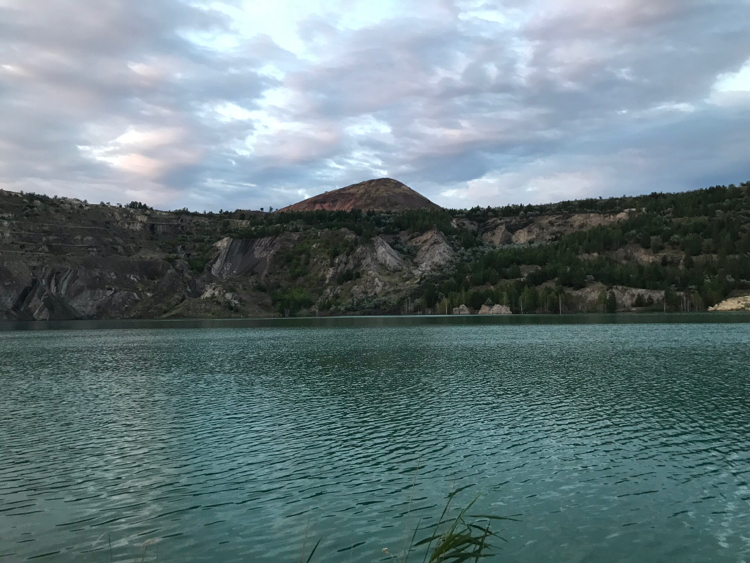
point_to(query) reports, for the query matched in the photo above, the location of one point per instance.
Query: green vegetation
(290, 301)
(198, 263)
(364, 224)
(694, 247)
(138, 205)
(460, 538)
(683, 251)
(699, 242)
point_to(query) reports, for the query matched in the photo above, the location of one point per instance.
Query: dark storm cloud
(471, 103)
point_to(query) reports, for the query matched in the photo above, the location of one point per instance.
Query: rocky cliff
(63, 258)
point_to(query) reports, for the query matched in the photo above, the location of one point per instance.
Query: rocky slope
(67, 259)
(63, 258)
(383, 194)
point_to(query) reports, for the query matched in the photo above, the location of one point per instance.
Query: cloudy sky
(250, 103)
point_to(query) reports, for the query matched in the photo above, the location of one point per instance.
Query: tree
(529, 299)
(289, 302)
(671, 299)
(430, 295)
(445, 306)
(611, 302)
(601, 301)
(135, 205)
(697, 301)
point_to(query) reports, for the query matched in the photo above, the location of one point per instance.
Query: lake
(626, 440)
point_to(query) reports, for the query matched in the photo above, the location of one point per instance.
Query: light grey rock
(434, 252)
(495, 310)
(387, 256)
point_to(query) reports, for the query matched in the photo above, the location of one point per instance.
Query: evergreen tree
(611, 302)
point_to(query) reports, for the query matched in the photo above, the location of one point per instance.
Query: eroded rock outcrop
(495, 310)
(387, 256)
(434, 251)
(107, 288)
(741, 303)
(543, 228)
(238, 257)
(497, 233)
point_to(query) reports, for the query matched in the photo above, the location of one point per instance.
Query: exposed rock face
(434, 251)
(587, 299)
(63, 258)
(495, 310)
(383, 194)
(544, 228)
(382, 276)
(498, 233)
(387, 256)
(626, 296)
(741, 303)
(463, 223)
(88, 288)
(244, 257)
(66, 259)
(461, 310)
(634, 253)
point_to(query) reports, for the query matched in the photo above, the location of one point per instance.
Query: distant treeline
(699, 243)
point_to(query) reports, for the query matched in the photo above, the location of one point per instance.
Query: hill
(63, 258)
(382, 194)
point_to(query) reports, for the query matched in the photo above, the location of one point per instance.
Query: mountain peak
(381, 194)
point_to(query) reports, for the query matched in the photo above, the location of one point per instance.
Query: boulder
(495, 310)
(461, 310)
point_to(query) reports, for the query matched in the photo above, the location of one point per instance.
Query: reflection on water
(621, 441)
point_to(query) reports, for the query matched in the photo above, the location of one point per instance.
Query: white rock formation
(741, 303)
(495, 310)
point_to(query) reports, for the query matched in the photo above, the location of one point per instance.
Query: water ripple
(252, 443)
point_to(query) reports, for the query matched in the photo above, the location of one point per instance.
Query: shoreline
(375, 321)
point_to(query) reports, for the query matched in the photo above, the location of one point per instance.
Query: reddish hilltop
(383, 194)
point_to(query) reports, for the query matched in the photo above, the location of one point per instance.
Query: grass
(467, 537)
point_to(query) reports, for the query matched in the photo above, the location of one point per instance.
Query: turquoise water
(626, 442)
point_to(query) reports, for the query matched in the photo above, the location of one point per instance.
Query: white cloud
(531, 184)
(144, 152)
(734, 81)
(222, 103)
(732, 88)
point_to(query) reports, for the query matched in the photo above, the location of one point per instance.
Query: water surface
(612, 442)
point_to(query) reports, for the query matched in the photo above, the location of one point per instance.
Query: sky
(243, 104)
